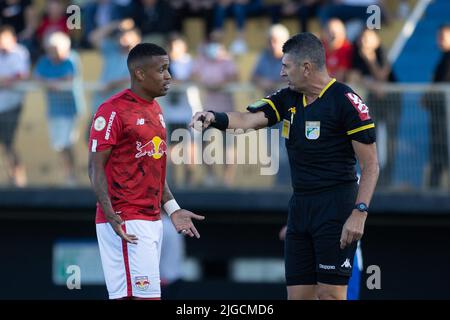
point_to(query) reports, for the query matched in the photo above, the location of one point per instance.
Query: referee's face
(293, 72)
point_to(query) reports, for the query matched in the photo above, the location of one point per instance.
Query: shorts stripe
(127, 264)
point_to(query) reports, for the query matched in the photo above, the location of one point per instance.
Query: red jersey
(340, 59)
(134, 130)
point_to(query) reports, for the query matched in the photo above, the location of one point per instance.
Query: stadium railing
(412, 122)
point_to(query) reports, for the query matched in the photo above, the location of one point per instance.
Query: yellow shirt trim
(273, 107)
(321, 92)
(367, 126)
(326, 87)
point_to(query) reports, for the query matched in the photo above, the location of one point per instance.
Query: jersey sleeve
(106, 128)
(272, 106)
(356, 118)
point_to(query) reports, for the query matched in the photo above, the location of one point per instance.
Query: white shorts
(131, 270)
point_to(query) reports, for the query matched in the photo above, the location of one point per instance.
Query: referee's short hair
(306, 46)
(143, 51)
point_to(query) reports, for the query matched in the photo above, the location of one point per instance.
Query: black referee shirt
(318, 135)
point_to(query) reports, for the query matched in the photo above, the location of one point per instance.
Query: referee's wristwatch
(362, 207)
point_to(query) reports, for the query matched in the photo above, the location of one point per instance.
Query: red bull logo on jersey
(141, 282)
(155, 148)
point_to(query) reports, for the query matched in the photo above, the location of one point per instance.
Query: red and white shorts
(131, 270)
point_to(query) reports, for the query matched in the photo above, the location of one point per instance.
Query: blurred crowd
(39, 45)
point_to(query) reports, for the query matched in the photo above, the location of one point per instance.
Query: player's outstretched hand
(182, 220)
(202, 120)
(117, 224)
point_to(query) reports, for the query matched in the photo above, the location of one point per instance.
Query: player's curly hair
(143, 51)
(306, 46)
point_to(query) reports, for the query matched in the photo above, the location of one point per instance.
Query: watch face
(362, 207)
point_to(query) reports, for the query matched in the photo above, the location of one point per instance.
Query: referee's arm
(353, 228)
(236, 120)
(368, 162)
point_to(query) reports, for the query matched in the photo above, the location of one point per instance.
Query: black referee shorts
(312, 246)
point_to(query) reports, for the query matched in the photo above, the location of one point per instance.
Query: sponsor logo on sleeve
(110, 122)
(360, 106)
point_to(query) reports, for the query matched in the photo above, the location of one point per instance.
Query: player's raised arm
(229, 120)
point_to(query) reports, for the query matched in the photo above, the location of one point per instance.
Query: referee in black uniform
(327, 127)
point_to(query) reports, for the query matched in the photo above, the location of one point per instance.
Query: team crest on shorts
(141, 283)
(312, 130)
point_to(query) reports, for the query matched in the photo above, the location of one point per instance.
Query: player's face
(293, 72)
(156, 77)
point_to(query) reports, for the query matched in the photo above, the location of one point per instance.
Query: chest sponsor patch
(312, 130)
(360, 106)
(155, 148)
(99, 123)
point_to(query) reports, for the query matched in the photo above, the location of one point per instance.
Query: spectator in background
(239, 9)
(305, 10)
(21, 15)
(338, 50)
(202, 9)
(14, 66)
(371, 68)
(155, 19)
(213, 70)
(176, 105)
(435, 103)
(114, 40)
(266, 76)
(54, 19)
(99, 13)
(352, 12)
(58, 72)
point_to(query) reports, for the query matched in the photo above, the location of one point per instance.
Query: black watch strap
(361, 206)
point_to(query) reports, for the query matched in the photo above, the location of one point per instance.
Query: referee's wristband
(220, 120)
(171, 206)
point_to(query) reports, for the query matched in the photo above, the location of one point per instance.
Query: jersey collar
(321, 92)
(138, 98)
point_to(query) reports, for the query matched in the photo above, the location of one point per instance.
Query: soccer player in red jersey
(127, 169)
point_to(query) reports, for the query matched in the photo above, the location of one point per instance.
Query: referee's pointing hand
(202, 120)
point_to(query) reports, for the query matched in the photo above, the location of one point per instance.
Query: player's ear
(139, 74)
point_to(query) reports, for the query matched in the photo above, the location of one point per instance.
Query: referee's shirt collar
(321, 92)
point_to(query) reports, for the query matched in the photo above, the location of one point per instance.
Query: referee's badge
(285, 129)
(312, 130)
